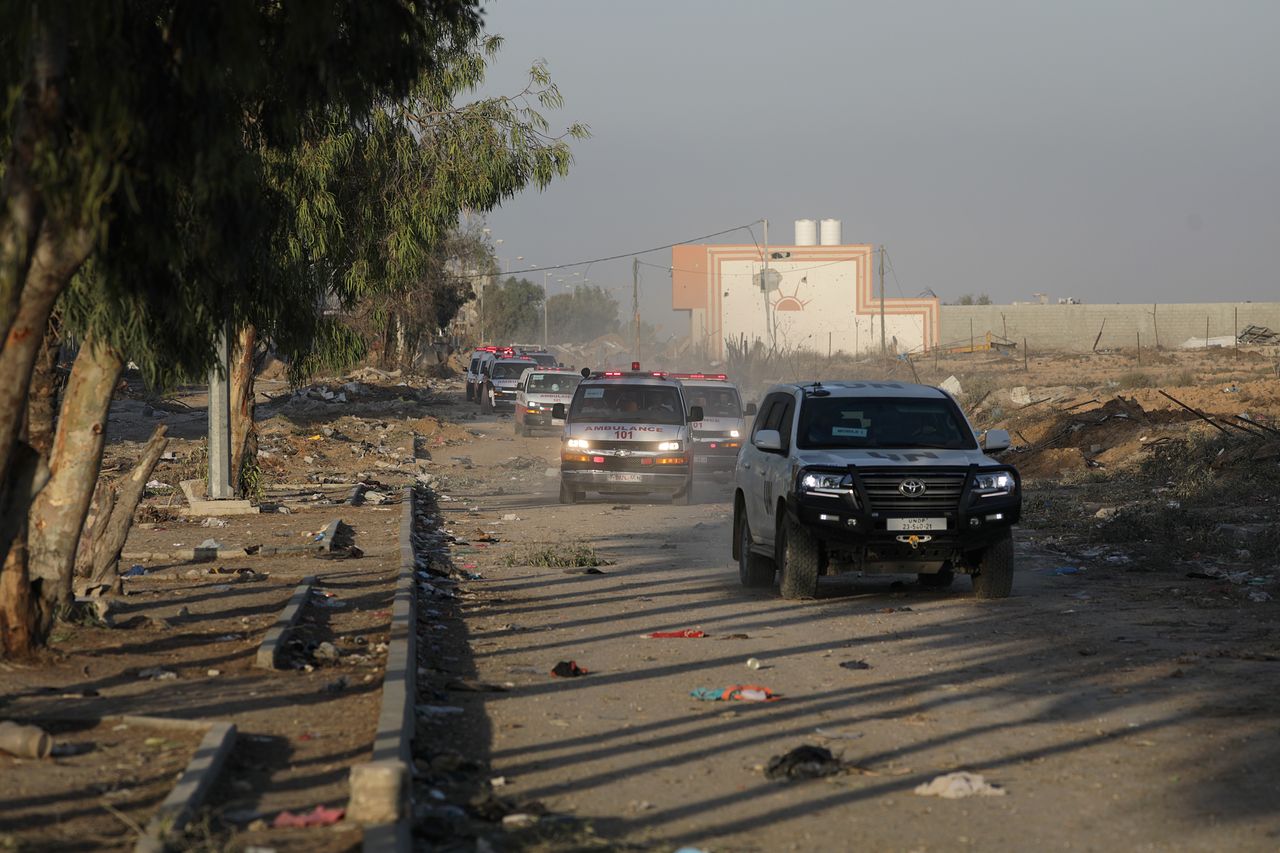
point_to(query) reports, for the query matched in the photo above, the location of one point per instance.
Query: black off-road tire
(799, 560)
(994, 577)
(753, 569)
(942, 579)
(568, 495)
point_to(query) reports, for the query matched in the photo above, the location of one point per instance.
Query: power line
(638, 252)
(669, 268)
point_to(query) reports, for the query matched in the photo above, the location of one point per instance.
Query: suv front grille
(942, 490)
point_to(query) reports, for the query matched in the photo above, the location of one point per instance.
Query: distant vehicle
(872, 477)
(474, 376)
(717, 438)
(538, 392)
(500, 379)
(626, 432)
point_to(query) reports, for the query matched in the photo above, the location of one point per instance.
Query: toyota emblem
(912, 488)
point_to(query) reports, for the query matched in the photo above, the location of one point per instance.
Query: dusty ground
(1119, 706)
(1122, 699)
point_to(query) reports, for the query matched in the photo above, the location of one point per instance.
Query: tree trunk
(244, 435)
(58, 514)
(24, 623)
(110, 541)
(42, 397)
(104, 501)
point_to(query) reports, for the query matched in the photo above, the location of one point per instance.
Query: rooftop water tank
(831, 232)
(806, 232)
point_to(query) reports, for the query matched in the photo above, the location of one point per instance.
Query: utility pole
(635, 303)
(219, 482)
(883, 349)
(764, 288)
(545, 275)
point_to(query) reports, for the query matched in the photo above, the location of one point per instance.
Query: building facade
(821, 298)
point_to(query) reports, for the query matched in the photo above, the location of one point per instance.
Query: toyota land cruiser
(872, 477)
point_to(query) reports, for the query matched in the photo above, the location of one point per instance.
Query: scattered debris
(687, 634)
(804, 762)
(568, 669)
(854, 664)
(319, 816)
(954, 786)
(735, 692)
(156, 673)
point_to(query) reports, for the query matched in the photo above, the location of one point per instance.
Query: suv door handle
(746, 464)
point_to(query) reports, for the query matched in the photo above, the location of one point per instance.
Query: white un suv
(872, 477)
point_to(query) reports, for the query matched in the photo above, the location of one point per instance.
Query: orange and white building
(819, 295)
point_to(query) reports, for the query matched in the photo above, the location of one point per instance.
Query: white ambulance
(717, 438)
(539, 390)
(626, 432)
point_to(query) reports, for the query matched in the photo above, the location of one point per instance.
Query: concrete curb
(393, 743)
(273, 642)
(193, 785)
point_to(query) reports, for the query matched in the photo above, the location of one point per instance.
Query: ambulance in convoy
(627, 432)
(716, 438)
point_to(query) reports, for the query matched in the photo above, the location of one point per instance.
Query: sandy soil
(1121, 699)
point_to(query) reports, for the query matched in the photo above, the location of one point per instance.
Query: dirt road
(1119, 707)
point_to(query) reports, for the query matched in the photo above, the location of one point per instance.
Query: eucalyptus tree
(134, 136)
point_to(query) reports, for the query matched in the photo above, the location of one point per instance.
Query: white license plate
(701, 460)
(916, 524)
(615, 477)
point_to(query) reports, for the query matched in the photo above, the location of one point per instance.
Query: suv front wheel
(799, 555)
(994, 577)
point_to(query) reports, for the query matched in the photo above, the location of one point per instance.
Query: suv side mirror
(557, 411)
(586, 373)
(695, 414)
(769, 440)
(750, 410)
(996, 439)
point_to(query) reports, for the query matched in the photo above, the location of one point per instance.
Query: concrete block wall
(1074, 327)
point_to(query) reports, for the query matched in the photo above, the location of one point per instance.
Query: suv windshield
(715, 402)
(553, 383)
(543, 359)
(651, 404)
(899, 422)
(509, 370)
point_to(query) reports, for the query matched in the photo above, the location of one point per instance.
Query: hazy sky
(1111, 150)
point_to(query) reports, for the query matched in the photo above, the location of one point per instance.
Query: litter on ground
(955, 786)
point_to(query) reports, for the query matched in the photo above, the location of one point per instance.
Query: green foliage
(513, 311)
(583, 315)
(970, 299)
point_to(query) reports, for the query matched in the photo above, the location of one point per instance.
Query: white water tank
(830, 232)
(806, 232)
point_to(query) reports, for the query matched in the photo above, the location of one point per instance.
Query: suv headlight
(668, 445)
(577, 443)
(733, 433)
(826, 481)
(994, 483)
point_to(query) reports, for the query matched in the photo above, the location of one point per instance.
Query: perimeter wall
(1074, 327)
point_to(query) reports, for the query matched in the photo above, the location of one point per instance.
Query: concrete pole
(220, 423)
(545, 276)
